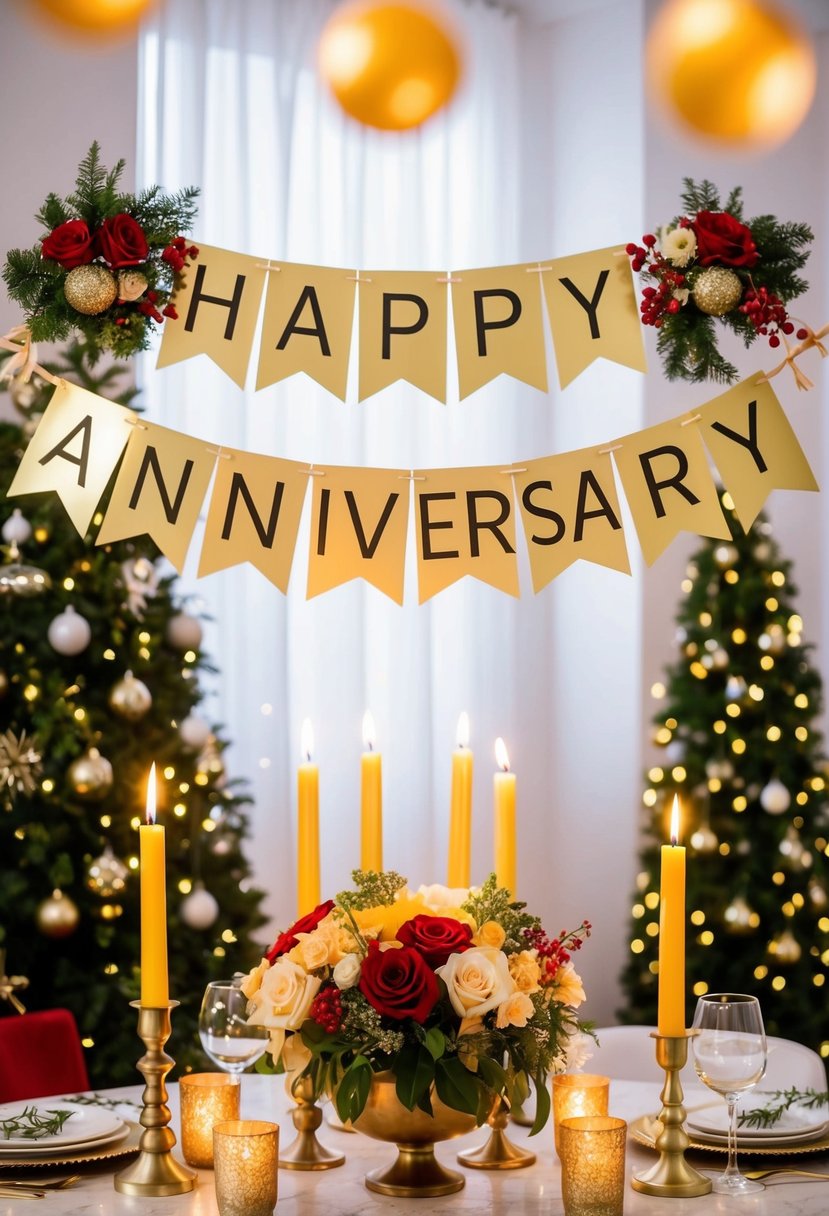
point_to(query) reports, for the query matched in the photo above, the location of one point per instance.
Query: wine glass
(226, 1036)
(730, 1055)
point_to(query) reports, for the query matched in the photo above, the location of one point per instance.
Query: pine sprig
(491, 902)
(32, 1124)
(779, 1101)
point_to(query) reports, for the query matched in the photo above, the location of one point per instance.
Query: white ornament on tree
(69, 633)
(200, 909)
(17, 528)
(184, 631)
(194, 732)
(775, 798)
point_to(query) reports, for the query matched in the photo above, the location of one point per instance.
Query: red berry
(649, 239)
(787, 327)
(630, 249)
(802, 334)
(774, 340)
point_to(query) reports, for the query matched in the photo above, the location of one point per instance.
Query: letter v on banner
(217, 305)
(159, 490)
(74, 450)
(753, 446)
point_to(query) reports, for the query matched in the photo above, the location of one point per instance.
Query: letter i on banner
(74, 450)
(498, 326)
(159, 490)
(668, 485)
(254, 515)
(403, 319)
(359, 520)
(217, 305)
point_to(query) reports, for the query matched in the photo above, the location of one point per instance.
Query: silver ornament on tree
(773, 640)
(775, 798)
(704, 840)
(57, 916)
(717, 291)
(184, 632)
(18, 578)
(817, 895)
(130, 697)
(107, 874)
(90, 289)
(200, 909)
(17, 528)
(90, 775)
(194, 732)
(740, 917)
(69, 633)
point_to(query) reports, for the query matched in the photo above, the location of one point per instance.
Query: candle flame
(675, 820)
(501, 754)
(369, 733)
(151, 800)
(463, 730)
(306, 739)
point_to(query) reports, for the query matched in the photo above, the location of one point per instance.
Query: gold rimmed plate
(641, 1130)
(84, 1156)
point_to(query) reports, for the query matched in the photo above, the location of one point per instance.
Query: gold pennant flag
(593, 312)
(309, 314)
(403, 320)
(74, 450)
(570, 510)
(159, 490)
(359, 520)
(668, 485)
(217, 306)
(254, 515)
(498, 326)
(753, 446)
(465, 524)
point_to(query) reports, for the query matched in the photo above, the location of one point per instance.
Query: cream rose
(284, 997)
(524, 969)
(516, 1010)
(490, 934)
(253, 980)
(477, 980)
(311, 951)
(567, 986)
(347, 971)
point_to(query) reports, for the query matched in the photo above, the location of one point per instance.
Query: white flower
(284, 997)
(679, 245)
(347, 971)
(576, 1050)
(516, 1010)
(437, 896)
(477, 980)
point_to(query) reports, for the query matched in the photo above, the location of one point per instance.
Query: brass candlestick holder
(155, 1170)
(499, 1152)
(305, 1152)
(672, 1176)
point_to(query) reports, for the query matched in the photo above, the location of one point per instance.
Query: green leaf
(435, 1042)
(542, 1103)
(414, 1070)
(492, 1074)
(353, 1090)
(456, 1085)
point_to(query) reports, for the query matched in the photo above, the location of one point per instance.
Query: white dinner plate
(797, 1122)
(767, 1139)
(86, 1125)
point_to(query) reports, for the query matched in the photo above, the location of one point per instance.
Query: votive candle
(206, 1098)
(577, 1094)
(245, 1158)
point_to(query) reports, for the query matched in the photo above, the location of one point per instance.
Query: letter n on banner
(159, 490)
(359, 520)
(465, 524)
(570, 510)
(254, 515)
(593, 312)
(217, 307)
(498, 326)
(403, 320)
(668, 485)
(309, 314)
(753, 446)
(77, 444)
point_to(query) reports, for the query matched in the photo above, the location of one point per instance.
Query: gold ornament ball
(131, 698)
(739, 73)
(704, 840)
(389, 65)
(107, 875)
(90, 775)
(717, 291)
(57, 916)
(817, 895)
(784, 949)
(739, 917)
(95, 16)
(4, 683)
(90, 289)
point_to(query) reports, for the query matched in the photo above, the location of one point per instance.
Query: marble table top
(535, 1191)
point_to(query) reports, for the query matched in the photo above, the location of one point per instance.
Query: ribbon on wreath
(812, 339)
(23, 363)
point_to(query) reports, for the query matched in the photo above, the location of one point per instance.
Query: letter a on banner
(498, 326)
(403, 320)
(309, 314)
(359, 520)
(754, 447)
(217, 307)
(593, 312)
(76, 446)
(668, 485)
(465, 524)
(570, 510)
(254, 515)
(159, 490)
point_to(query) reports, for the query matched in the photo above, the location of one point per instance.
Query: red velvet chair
(41, 1055)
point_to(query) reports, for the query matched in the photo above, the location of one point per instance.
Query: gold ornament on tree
(130, 698)
(16, 578)
(704, 840)
(107, 874)
(90, 775)
(717, 291)
(19, 765)
(817, 895)
(784, 948)
(90, 290)
(740, 917)
(57, 916)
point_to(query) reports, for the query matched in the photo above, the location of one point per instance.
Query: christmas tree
(736, 729)
(99, 676)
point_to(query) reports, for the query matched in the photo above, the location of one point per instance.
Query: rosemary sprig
(30, 1124)
(778, 1103)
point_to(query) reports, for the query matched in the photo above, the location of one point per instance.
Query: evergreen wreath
(108, 264)
(709, 265)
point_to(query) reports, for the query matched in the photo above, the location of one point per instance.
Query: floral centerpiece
(458, 993)
(107, 265)
(709, 263)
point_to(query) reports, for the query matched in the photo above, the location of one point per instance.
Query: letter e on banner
(498, 326)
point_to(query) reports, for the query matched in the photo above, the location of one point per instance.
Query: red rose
(122, 241)
(435, 937)
(70, 245)
(398, 983)
(724, 240)
(306, 924)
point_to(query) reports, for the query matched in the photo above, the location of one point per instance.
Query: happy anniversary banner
(466, 520)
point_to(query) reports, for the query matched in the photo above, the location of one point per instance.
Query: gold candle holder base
(672, 1176)
(305, 1152)
(498, 1153)
(155, 1170)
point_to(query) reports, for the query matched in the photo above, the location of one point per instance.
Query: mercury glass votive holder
(576, 1094)
(593, 1165)
(206, 1098)
(245, 1157)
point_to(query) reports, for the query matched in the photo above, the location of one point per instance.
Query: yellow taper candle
(155, 993)
(504, 820)
(460, 811)
(371, 801)
(308, 826)
(671, 1014)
